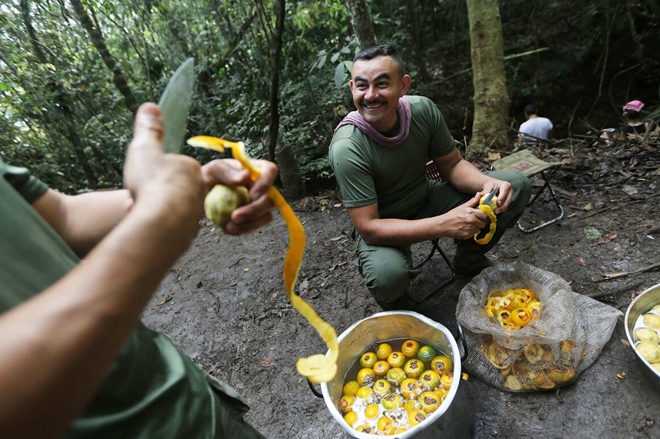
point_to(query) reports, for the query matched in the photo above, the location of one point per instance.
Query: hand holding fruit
(242, 206)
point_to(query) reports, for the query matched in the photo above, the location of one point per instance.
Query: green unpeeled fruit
(222, 200)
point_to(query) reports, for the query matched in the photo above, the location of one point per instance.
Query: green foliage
(57, 90)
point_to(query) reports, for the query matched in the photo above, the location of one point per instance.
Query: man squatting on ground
(76, 361)
(379, 155)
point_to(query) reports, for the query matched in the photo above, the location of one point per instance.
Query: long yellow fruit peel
(317, 368)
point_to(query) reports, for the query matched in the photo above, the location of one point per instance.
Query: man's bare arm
(58, 347)
(461, 223)
(83, 220)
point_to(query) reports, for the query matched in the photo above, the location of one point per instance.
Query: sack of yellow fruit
(526, 330)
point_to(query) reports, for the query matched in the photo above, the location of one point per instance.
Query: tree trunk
(276, 56)
(99, 43)
(294, 187)
(491, 100)
(361, 21)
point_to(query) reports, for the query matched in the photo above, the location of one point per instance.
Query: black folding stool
(530, 165)
(432, 174)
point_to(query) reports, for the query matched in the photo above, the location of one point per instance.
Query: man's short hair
(382, 50)
(529, 110)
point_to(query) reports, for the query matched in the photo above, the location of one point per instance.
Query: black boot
(403, 303)
(467, 266)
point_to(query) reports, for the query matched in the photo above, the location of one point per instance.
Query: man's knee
(386, 280)
(522, 191)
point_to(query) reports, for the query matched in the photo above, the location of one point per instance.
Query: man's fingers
(148, 132)
(474, 201)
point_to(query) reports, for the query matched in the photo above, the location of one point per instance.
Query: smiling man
(379, 155)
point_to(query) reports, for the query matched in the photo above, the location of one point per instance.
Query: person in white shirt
(534, 128)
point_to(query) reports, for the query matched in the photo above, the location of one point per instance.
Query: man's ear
(350, 83)
(405, 84)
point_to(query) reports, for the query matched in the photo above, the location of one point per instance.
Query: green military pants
(387, 271)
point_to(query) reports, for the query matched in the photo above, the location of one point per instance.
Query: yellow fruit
(410, 388)
(415, 417)
(366, 376)
(381, 387)
(351, 418)
(410, 348)
(446, 380)
(383, 351)
(414, 368)
(442, 364)
(371, 411)
(396, 375)
(364, 429)
(368, 359)
(351, 387)
(492, 203)
(386, 425)
(396, 359)
(430, 379)
(652, 320)
(411, 405)
(645, 334)
(381, 368)
(649, 351)
(391, 401)
(346, 403)
(430, 401)
(364, 392)
(222, 200)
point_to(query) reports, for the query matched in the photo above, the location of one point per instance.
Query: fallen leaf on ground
(607, 238)
(165, 300)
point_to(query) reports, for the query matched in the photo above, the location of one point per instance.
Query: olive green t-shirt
(395, 178)
(153, 390)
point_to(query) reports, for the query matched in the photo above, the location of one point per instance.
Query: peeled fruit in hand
(222, 200)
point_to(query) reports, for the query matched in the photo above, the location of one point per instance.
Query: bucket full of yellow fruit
(398, 375)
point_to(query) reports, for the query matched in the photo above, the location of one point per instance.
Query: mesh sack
(555, 346)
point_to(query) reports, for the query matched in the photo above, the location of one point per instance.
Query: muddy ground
(224, 303)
